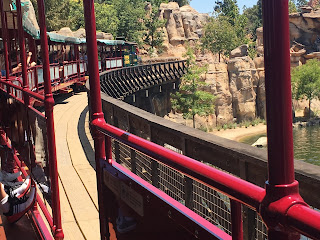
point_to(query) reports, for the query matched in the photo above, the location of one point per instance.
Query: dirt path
(239, 133)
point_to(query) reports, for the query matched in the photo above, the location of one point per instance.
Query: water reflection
(306, 143)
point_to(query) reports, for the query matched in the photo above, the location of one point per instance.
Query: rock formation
(217, 79)
(182, 24)
(242, 81)
(81, 33)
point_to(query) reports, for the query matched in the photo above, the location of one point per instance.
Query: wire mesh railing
(206, 202)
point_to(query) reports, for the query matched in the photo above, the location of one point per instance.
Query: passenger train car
(62, 62)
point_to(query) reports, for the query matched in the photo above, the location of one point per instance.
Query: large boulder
(80, 33)
(66, 31)
(242, 78)
(102, 35)
(240, 51)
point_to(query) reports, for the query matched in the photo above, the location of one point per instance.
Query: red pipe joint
(275, 206)
(97, 120)
(49, 101)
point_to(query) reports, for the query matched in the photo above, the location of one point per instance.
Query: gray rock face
(242, 81)
(218, 84)
(81, 33)
(183, 24)
(305, 26)
(240, 51)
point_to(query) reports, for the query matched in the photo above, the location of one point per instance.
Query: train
(67, 55)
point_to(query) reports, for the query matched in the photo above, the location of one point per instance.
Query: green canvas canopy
(54, 37)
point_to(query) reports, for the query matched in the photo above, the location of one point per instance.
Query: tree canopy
(154, 25)
(190, 100)
(219, 36)
(306, 81)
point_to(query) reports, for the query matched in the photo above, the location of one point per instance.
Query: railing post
(236, 220)
(49, 104)
(76, 53)
(23, 57)
(5, 39)
(282, 191)
(96, 106)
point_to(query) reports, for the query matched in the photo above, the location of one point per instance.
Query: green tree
(229, 10)
(300, 3)
(292, 7)
(219, 36)
(131, 14)
(306, 81)
(254, 16)
(57, 12)
(190, 100)
(106, 17)
(154, 25)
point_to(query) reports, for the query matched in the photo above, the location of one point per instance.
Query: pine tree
(190, 100)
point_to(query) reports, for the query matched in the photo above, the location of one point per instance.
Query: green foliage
(292, 7)
(57, 12)
(219, 36)
(130, 14)
(76, 17)
(306, 81)
(227, 8)
(227, 30)
(254, 16)
(154, 25)
(106, 20)
(300, 3)
(190, 100)
(252, 51)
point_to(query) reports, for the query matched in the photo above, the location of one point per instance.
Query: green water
(306, 143)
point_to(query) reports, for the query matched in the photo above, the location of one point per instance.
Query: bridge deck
(76, 169)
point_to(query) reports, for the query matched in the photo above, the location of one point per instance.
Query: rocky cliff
(183, 24)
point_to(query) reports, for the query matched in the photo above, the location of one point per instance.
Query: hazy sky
(206, 6)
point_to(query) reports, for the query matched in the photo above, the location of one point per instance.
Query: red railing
(58, 73)
(19, 87)
(279, 204)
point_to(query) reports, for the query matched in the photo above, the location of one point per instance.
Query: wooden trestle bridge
(123, 82)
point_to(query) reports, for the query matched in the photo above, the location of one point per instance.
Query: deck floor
(78, 194)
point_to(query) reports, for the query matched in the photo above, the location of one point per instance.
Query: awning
(55, 37)
(111, 42)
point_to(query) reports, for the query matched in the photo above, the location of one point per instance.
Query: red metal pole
(4, 38)
(49, 103)
(22, 52)
(282, 191)
(278, 91)
(236, 220)
(95, 105)
(76, 53)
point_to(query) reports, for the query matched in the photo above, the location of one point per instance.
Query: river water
(306, 143)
